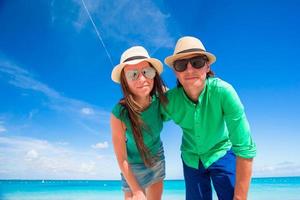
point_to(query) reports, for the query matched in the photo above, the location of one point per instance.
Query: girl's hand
(139, 195)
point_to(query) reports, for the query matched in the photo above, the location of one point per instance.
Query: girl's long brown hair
(134, 111)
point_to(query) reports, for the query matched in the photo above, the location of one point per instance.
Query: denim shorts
(147, 176)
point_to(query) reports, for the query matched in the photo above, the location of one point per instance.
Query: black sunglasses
(196, 62)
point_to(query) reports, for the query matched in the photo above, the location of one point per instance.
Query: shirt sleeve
(164, 108)
(237, 123)
(117, 111)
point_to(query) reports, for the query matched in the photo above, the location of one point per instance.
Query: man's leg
(197, 183)
(222, 173)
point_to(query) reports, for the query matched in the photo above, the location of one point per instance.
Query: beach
(287, 188)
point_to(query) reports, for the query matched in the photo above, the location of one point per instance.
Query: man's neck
(194, 92)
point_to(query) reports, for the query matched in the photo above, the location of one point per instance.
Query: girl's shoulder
(119, 111)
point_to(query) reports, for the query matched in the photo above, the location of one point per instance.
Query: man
(216, 145)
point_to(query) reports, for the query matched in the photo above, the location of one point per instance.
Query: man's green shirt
(212, 126)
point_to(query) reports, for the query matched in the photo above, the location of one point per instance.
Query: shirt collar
(200, 98)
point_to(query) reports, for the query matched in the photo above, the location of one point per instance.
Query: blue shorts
(221, 174)
(147, 176)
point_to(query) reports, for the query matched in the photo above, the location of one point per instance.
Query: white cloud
(32, 154)
(285, 168)
(62, 143)
(88, 128)
(32, 113)
(28, 158)
(88, 167)
(87, 111)
(126, 21)
(100, 145)
(21, 78)
(2, 128)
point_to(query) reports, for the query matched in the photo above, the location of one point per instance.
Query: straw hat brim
(116, 72)
(170, 59)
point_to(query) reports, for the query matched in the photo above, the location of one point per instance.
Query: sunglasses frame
(149, 69)
(190, 60)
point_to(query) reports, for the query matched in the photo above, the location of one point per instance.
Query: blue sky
(56, 93)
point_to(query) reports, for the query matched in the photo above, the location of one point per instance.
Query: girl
(136, 124)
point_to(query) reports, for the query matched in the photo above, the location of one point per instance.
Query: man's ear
(208, 68)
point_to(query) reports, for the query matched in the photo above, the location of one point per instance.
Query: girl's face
(140, 78)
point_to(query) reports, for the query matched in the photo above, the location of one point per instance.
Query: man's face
(191, 76)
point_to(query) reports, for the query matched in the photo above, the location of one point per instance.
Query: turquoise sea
(287, 188)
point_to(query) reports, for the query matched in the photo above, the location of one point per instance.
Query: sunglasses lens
(132, 75)
(149, 72)
(180, 65)
(197, 62)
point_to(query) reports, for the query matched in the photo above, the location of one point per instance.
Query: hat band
(134, 58)
(190, 50)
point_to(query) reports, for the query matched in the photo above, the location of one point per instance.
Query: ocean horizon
(262, 188)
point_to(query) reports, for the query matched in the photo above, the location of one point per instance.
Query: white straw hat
(188, 46)
(134, 55)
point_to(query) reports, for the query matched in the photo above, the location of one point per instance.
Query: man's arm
(243, 178)
(242, 144)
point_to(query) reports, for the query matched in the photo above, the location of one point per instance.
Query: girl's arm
(118, 138)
